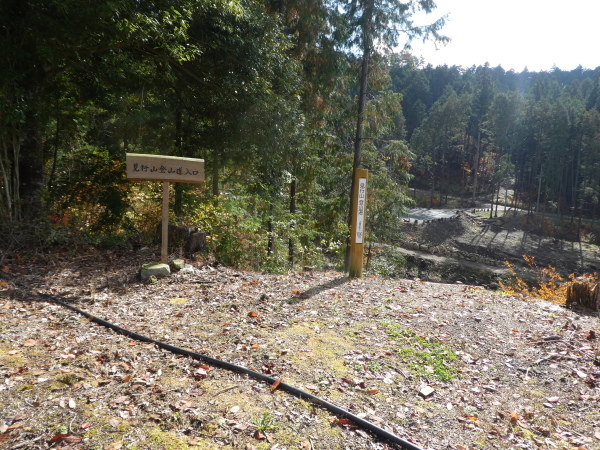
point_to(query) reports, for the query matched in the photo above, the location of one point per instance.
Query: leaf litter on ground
(441, 365)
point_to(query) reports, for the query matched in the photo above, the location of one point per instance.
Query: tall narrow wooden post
(357, 230)
(164, 253)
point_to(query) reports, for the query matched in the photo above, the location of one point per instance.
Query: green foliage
(387, 262)
(425, 357)
(266, 423)
(268, 98)
(231, 231)
(237, 233)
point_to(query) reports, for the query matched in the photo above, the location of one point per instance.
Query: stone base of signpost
(157, 270)
(177, 264)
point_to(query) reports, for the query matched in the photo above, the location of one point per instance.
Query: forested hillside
(479, 129)
(282, 99)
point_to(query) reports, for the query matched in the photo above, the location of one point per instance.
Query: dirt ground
(445, 366)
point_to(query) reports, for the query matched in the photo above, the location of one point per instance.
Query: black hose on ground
(234, 367)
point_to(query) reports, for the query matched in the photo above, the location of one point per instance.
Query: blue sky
(537, 34)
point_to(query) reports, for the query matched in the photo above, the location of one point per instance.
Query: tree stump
(584, 292)
(196, 242)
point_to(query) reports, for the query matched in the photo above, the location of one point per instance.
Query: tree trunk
(9, 174)
(497, 198)
(364, 75)
(215, 177)
(178, 204)
(270, 232)
(575, 186)
(292, 213)
(476, 165)
(55, 153)
(539, 192)
(584, 293)
(31, 158)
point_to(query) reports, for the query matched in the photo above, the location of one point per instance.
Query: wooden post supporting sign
(166, 169)
(357, 230)
(164, 239)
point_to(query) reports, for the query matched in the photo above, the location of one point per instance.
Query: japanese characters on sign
(178, 170)
(360, 213)
(165, 168)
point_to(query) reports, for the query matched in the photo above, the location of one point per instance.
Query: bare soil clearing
(441, 365)
(472, 249)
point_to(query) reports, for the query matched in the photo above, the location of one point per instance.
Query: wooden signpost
(357, 230)
(166, 169)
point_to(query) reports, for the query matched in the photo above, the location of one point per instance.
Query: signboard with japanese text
(165, 168)
(357, 224)
(360, 211)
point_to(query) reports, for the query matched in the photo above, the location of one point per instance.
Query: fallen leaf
(85, 425)
(543, 431)
(361, 433)
(17, 418)
(67, 438)
(275, 385)
(14, 426)
(29, 343)
(252, 314)
(115, 446)
(373, 391)
(184, 405)
(343, 421)
(258, 435)
(6, 269)
(199, 373)
(514, 417)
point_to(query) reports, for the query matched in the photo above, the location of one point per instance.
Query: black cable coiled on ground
(240, 369)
